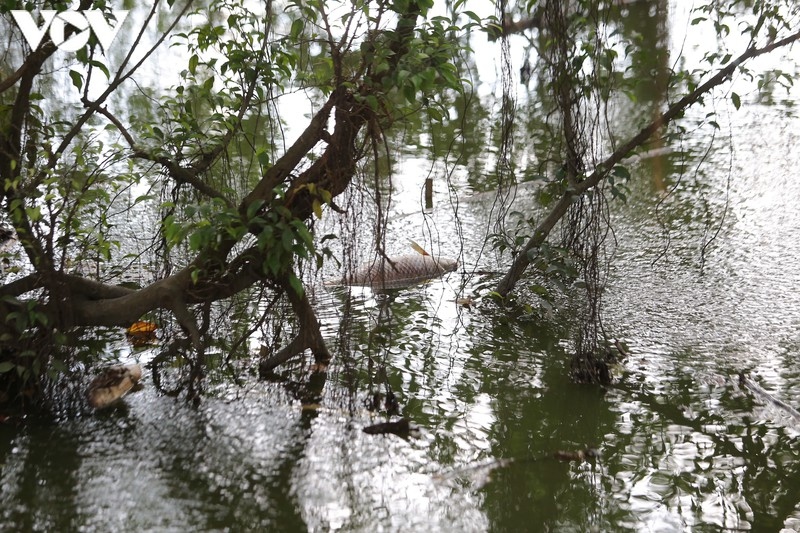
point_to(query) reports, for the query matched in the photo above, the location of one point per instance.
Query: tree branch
(674, 111)
(292, 157)
(309, 336)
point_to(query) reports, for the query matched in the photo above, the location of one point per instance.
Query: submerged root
(589, 367)
(309, 337)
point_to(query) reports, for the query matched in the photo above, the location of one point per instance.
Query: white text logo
(84, 22)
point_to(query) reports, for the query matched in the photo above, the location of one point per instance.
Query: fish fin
(418, 248)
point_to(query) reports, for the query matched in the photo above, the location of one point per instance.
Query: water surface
(702, 285)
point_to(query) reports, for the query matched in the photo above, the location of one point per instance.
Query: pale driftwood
(112, 384)
(752, 386)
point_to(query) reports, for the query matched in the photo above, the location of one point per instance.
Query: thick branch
(20, 286)
(99, 304)
(278, 172)
(308, 336)
(126, 308)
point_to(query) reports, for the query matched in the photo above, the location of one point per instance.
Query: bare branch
(674, 111)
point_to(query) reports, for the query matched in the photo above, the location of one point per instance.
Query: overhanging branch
(543, 229)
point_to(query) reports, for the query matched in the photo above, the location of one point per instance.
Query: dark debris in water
(580, 455)
(402, 428)
(377, 401)
(589, 368)
(594, 367)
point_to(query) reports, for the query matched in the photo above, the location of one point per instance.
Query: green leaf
(434, 114)
(473, 16)
(77, 78)
(34, 213)
(297, 28)
(193, 61)
(101, 66)
(409, 93)
(737, 102)
(253, 208)
(6, 366)
(287, 239)
(296, 284)
(621, 172)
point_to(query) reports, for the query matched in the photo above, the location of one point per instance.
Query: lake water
(702, 284)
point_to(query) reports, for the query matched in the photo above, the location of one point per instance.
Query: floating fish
(112, 384)
(399, 271)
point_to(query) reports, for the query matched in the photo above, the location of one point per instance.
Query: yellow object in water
(142, 328)
(112, 384)
(142, 333)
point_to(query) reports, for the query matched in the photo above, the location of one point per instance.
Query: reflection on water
(721, 458)
(703, 285)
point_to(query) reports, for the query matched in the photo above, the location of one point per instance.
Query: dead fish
(401, 270)
(112, 384)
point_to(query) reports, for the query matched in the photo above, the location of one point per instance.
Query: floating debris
(112, 384)
(747, 383)
(400, 427)
(466, 301)
(142, 333)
